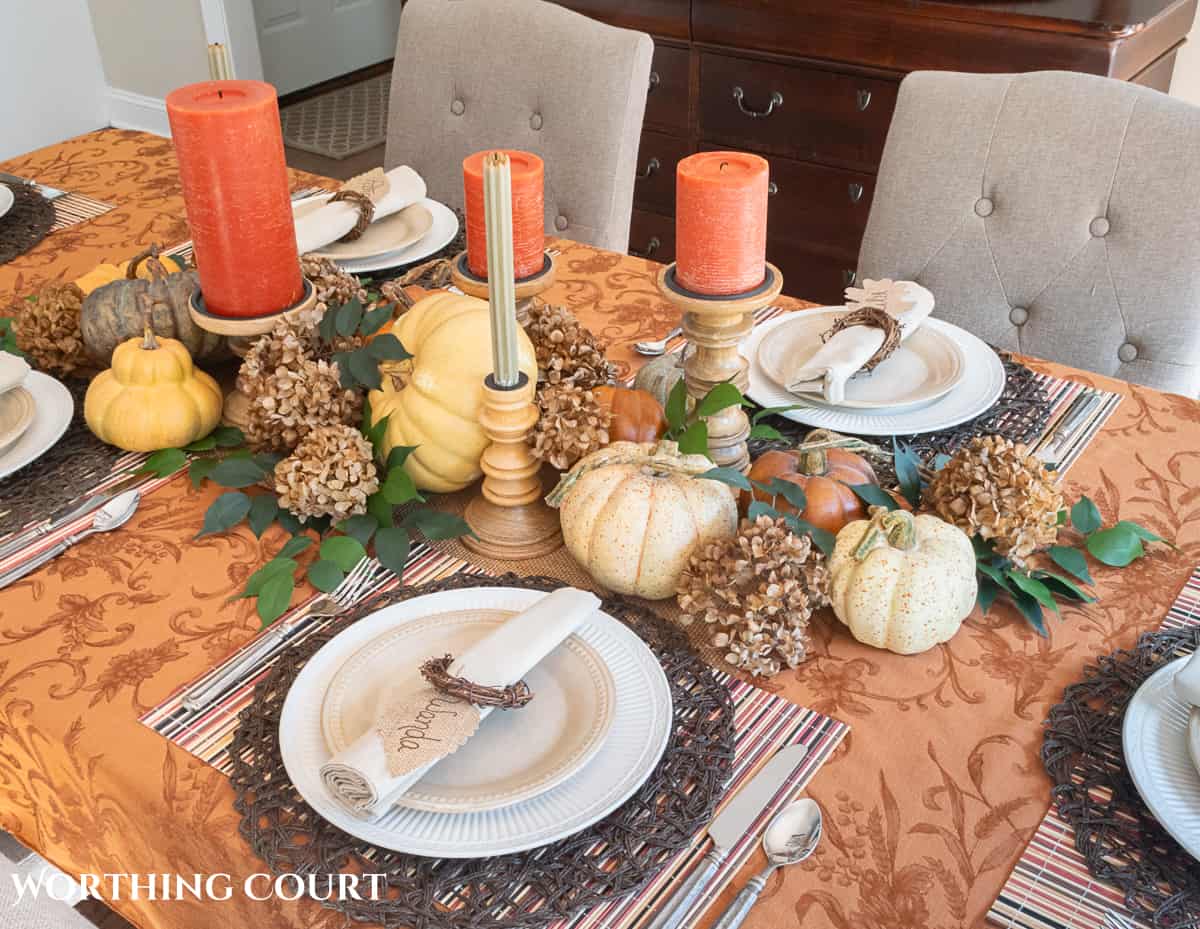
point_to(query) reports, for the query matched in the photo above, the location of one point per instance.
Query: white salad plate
(6, 199)
(636, 739)
(1155, 736)
(53, 409)
(389, 234)
(925, 366)
(981, 385)
(558, 731)
(440, 233)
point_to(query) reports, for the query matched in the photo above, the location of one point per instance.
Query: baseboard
(127, 110)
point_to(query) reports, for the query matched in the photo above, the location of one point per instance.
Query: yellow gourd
(107, 273)
(432, 400)
(152, 397)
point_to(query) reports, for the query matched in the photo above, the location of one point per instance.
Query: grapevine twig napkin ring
(512, 697)
(366, 212)
(869, 316)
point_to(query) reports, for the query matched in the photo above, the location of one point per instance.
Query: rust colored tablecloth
(928, 804)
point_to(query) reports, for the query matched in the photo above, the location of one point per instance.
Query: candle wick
(723, 164)
(220, 94)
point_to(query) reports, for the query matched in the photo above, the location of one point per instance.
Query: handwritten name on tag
(373, 184)
(423, 724)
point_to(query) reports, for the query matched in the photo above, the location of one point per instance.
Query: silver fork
(360, 579)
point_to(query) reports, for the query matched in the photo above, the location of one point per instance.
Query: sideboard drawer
(796, 111)
(652, 235)
(657, 157)
(811, 275)
(818, 206)
(667, 101)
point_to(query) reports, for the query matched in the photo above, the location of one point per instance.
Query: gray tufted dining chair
(1052, 213)
(529, 75)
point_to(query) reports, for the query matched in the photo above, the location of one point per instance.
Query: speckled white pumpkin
(632, 513)
(902, 582)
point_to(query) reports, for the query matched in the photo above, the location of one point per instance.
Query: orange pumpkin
(823, 474)
(636, 415)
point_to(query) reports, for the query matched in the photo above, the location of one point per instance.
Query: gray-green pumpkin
(659, 376)
(112, 313)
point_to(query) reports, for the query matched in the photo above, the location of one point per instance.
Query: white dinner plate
(1156, 754)
(925, 366)
(981, 385)
(54, 407)
(1194, 737)
(6, 199)
(559, 730)
(640, 730)
(440, 234)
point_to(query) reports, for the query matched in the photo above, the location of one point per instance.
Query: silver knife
(726, 830)
(1079, 413)
(22, 540)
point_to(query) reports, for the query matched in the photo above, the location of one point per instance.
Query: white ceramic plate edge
(54, 408)
(6, 198)
(302, 721)
(919, 420)
(1144, 710)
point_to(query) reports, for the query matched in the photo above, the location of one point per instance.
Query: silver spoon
(790, 838)
(112, 515)
(658, 346)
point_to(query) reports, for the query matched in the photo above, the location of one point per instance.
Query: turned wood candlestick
(526, 287)
(241, 332)
(713, 327)
(510, 520)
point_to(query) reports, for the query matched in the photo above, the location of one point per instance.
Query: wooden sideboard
(811, 85)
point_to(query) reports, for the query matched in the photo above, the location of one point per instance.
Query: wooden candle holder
(241, 332)
(527, 287)
(510, 520)
(713, 327)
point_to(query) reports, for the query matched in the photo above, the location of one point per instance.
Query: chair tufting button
(1018, 315)
(457, 107)
(560, 223)
(1127, 352)
(1099, 227)
(535, 122)
(984, 207)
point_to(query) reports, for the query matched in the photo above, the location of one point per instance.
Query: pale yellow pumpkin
(152, 397)
(902, 582)
(432, 401)
(632, 513)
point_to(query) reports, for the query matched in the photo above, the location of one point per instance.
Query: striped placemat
(763, 723)
(1051, 886)
(71, 209)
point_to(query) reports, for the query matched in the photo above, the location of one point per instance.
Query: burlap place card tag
(421, 724)
(373, 184)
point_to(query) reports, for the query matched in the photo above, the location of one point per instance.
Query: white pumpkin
(633, 512)
(902, 582)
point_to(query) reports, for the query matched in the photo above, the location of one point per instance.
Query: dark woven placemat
(1121, 841)
(1019, 414)
(76, 464)
(616, 856)
(26, 224)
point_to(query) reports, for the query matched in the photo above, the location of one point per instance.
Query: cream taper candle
(502, 298)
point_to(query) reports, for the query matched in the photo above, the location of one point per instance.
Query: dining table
(928, 802)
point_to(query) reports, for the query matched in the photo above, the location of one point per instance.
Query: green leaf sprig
(359, 367)
(775, 488)
(685, 425)
(8, 338)
(1033, 591)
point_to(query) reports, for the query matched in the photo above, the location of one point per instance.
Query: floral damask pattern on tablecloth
(928, 803)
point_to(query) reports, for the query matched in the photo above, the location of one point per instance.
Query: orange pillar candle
(235, 187)
(528, 213)
(721, 222)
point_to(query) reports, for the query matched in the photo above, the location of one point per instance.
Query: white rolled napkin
(843, 356)
(360, 777)
(13, 370)
(334, 220)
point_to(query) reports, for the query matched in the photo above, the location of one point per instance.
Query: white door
(304, 42)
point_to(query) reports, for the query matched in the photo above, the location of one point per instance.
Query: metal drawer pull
(651, 247)
(864, 99)
(849, 277)
(655, 80)
(651, 166)
(856, 192)
(772, 189)
(776, 100)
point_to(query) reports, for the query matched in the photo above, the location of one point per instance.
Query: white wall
(52, 86)
(1185, 82)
